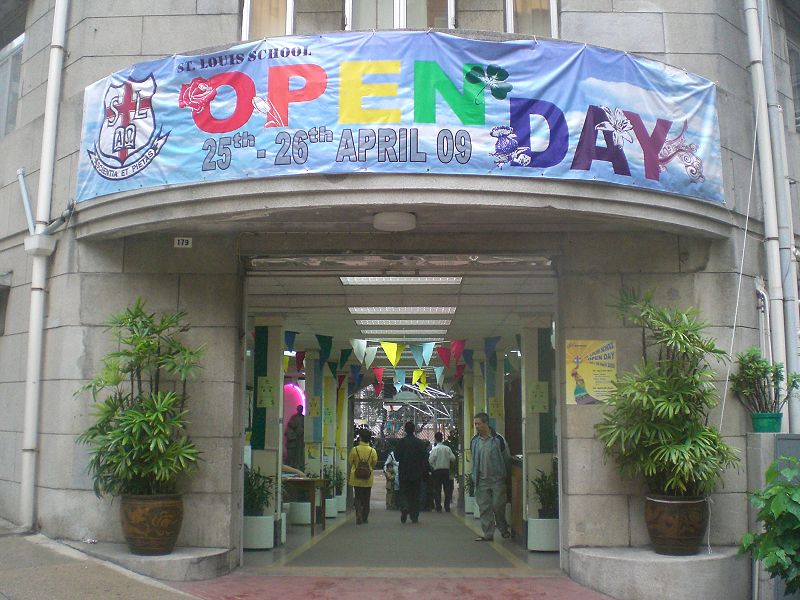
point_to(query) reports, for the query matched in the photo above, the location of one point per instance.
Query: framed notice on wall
(591, 370)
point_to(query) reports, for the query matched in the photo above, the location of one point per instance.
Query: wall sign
(401, 102)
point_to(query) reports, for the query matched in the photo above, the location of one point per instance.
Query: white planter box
(543, 535)
(469, 504)
(331, 508)
(341, 503)
(300, 513)
(259, 533)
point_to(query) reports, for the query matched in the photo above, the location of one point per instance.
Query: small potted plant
(138, 444)
(778, 505)
(759, 385)
(543, 532)
(655, 423)
(338, 484)
(259, 529)
(469, 498)
(329, 474)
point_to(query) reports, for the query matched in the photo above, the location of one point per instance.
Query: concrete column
(495, 391)
(530, 419)
(313, 422)
(469, 413)
(269, 395)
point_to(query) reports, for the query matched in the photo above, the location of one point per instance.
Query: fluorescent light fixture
(407, 338)
(401, 322)
(404, 331)
(402, 310)
(400, 280)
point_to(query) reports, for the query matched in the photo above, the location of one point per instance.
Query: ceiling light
(400, 280)
(404, 331)
(401, 310)
(394, 221)
(412, 339)
(400, 322)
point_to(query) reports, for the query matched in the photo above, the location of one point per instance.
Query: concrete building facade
(598, 238)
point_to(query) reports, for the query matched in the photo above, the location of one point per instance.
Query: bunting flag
(460, 371)
(457, 347)
(344, 356)
(427, 352)
(444, 354)
(467, 354)
(378, 385)
(439, 374)
(299, 359)
(399, 379)
(416, 352)
(490, 345)
(340, 380)
(325, 343)
(332, 364)
(288, 338)
(492, 360)
(285, 363)
(483, 368)
(393, 351)
(355, 373)
(369, 356)
(423, 382)
(359, 347)
(417, 375)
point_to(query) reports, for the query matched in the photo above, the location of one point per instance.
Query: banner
(401, 102)
(592, 366)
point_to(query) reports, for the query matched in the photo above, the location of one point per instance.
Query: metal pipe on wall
(41, 247)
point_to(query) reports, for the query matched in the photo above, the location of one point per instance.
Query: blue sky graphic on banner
(401, 102)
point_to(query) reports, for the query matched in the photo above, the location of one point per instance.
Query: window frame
(792, 34)
(508, 6)
(7, 53)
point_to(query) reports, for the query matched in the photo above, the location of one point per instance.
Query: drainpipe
(784, 211)
(766, 167)
(40, 246)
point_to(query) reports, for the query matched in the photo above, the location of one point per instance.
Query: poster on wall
(401, 102)
(591, 370)
(267, 393)
(538, 397)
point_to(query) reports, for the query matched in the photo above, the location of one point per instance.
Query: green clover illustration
(494, 77)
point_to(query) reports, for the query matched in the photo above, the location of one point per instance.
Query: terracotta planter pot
(676, 525)
(151, 523)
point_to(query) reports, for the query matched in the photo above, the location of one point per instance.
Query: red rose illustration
(197, 95)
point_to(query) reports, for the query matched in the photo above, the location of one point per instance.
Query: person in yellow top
(362, 486)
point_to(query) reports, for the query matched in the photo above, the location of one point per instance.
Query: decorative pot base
(676, 525)
(151, 523)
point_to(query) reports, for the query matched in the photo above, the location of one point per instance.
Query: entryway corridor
(435, 558)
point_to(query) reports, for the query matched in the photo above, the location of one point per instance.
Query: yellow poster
(314, 406)
(538, 397)
(591, 370)
(266, 393)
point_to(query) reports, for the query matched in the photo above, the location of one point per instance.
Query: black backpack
(362, 468)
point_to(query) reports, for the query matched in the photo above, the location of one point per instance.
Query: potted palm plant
(655, 423)
(259, 529)
(338, 484)
(329, 474)
(138, 444)
(543, 532)
(759, 385)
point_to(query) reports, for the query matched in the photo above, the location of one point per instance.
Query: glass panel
(373, 14)
(312, 16)
(10, 61)
(532, 17)
(793, 41)
(422, 14)
(267, 18)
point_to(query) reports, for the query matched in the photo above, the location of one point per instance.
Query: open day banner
(401, 102)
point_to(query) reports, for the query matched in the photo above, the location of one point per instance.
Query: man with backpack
(362, 460)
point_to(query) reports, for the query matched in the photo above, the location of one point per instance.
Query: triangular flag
(490, 344)
(416, 352)
(340, 380)
(457, 347)
(299, 359)
(355, 372)
(288, 337)
(492, 360)
(423, 382)
(427, 352)
(418, 373)
(285, 364)
(467, 354)
(378, 385)
(325, 343)
(359, 346)
(369, 356)
(399, 379)
(393, 351)
(460, 371)
(444, 354)
(344, 356)
(439, 374)
(332, 366)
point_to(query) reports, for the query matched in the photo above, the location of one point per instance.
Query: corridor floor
(436, 558)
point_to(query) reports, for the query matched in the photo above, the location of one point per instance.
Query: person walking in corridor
(440, 458)
(490, 462)
(413, 458)
(362, 460)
